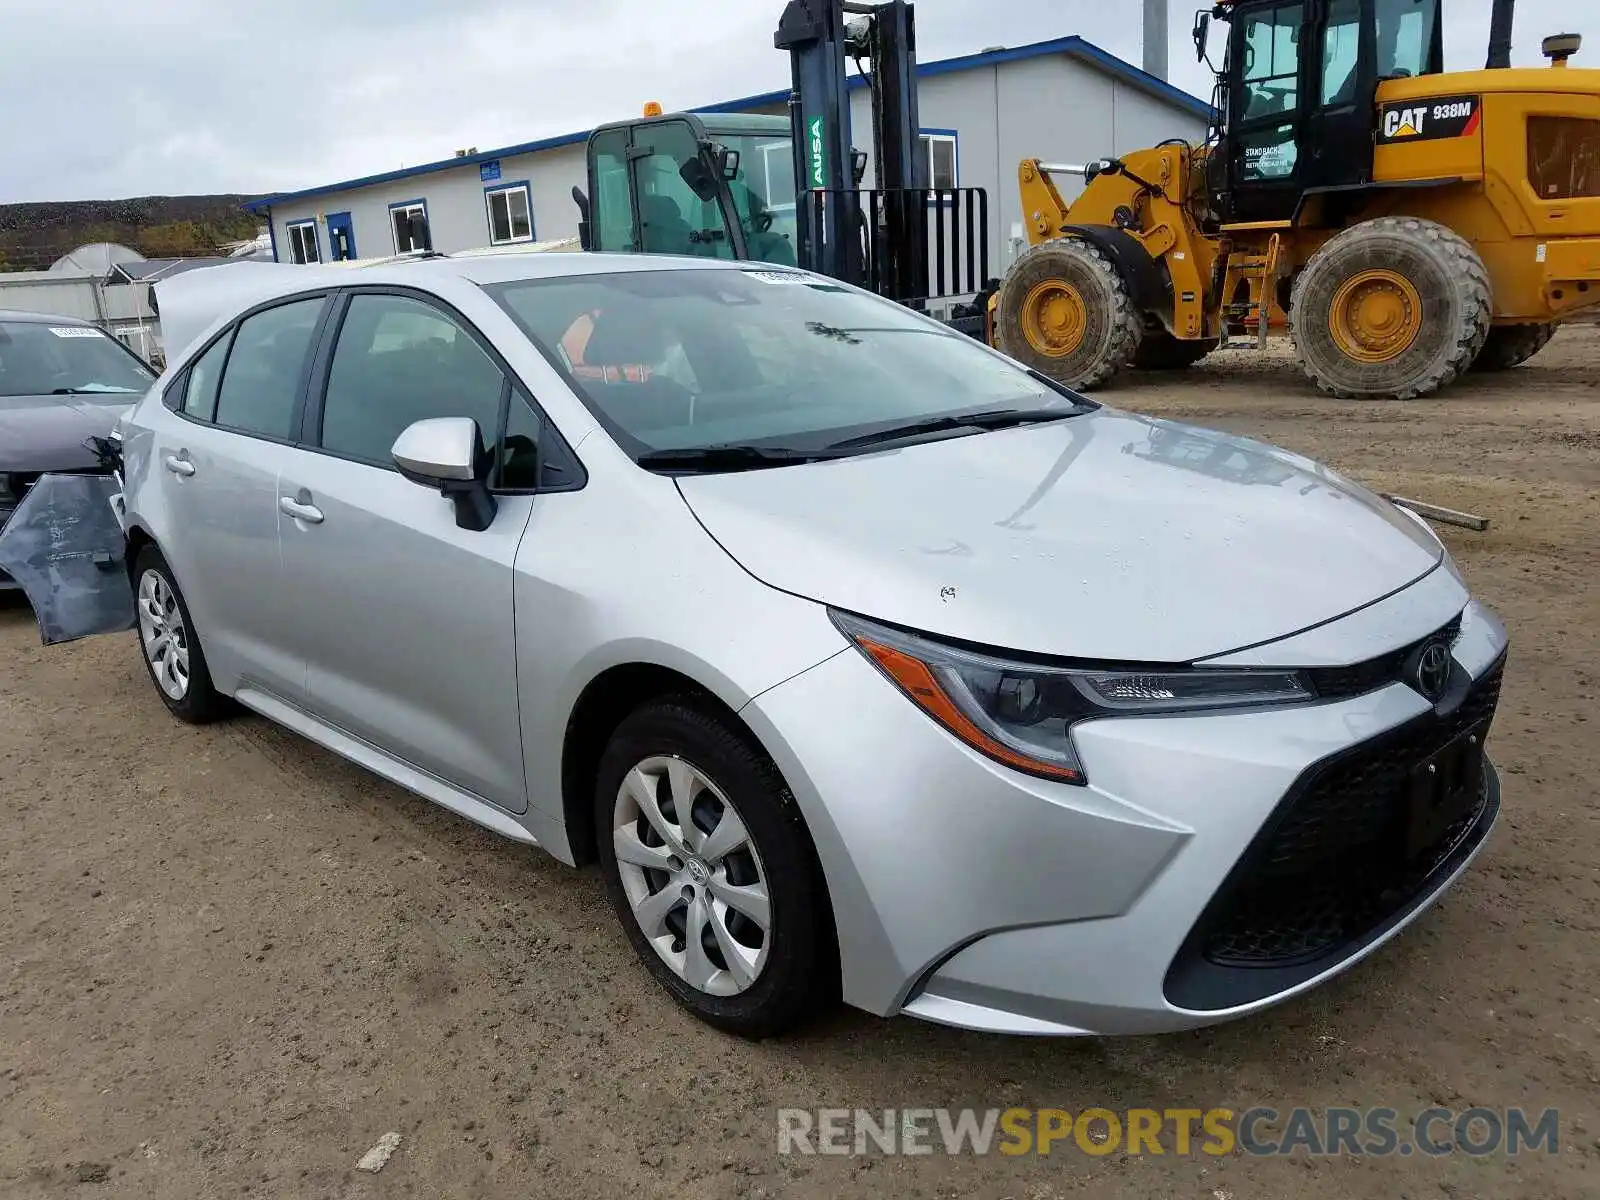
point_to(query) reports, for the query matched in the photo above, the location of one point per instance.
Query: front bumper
(969, 894)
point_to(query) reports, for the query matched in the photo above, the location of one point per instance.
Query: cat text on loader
(1403, 224)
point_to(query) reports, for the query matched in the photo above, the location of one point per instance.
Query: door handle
(309, 513)
(179, 466)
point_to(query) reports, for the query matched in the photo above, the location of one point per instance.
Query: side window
(200, 391)
(519, 450)
(400, 360)
(1406, 35)
(264, 371)
(1339, 50)
(1272, 62)
(672, 219)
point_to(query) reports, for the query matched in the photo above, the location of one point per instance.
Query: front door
(405, 619)
(1265, 107)
(341, 237)
(673, 219)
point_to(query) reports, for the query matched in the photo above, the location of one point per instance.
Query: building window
(510, 214)
(303, 242)
(409, 219)
(942, 161)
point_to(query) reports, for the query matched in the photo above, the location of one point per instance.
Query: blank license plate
(1444, 789)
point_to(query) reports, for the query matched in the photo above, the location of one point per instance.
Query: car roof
(34, 318)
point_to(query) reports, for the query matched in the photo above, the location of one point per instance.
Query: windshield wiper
(94, 391)
(729, 458)
(999, 418)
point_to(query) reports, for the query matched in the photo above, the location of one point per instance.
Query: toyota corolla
(864, 661)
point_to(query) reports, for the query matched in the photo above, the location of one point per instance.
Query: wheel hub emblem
(1431, 675)
(698, 871)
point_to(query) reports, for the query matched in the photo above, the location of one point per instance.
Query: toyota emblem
(1431, 675)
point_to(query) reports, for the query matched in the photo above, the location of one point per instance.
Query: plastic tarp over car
(191, 304)
(64, 545)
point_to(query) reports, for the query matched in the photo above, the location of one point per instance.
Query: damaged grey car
(63, 382)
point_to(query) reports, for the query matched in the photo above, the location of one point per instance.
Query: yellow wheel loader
(1403, 224)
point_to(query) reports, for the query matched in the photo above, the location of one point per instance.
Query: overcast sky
(113, 98)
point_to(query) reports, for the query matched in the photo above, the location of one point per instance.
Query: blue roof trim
(552, 143)
(1075, 46)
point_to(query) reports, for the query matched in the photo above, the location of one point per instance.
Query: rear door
(403, 618)
(217, 455)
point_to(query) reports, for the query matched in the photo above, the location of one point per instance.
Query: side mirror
(447, 453)
(699, 179)
(585, 237)
(1202, 32)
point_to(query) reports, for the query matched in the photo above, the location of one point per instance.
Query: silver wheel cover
(163, 635)
(692, 876)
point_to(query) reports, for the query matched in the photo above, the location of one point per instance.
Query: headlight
(1021, 713)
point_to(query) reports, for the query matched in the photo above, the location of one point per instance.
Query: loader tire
(1066, 311)
(1163, 352)
(1393, 308)
(1512, 345)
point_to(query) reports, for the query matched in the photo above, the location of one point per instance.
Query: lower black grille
(1337, 862)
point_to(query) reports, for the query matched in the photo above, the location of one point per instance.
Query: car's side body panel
(220, 489)
(405, 621)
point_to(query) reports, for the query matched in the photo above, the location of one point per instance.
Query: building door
(341, 237)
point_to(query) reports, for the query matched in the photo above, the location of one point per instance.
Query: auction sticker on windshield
(72, 331)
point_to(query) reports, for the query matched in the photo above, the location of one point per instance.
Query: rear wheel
(172, 651)
(1393, 308)
(1512, 345)
(1066, 311)
(1160, 351)
(712, 872)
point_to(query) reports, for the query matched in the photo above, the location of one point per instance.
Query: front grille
(1357, 680)
(1334, 865)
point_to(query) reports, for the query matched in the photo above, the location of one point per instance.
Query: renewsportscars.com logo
(1258, 1132)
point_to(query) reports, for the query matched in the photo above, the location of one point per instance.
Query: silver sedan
(864, 661)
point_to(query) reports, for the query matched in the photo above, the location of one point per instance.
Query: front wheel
(712, 872)
(1065, 310)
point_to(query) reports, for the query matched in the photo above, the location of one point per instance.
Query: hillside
(32, 236)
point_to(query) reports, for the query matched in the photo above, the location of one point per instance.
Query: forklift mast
(821, 40)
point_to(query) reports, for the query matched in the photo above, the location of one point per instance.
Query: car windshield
(41, 359)
(676, 360)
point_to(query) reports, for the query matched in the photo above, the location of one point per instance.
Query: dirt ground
(229, 961)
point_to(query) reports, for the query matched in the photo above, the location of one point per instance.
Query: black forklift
(787, 190)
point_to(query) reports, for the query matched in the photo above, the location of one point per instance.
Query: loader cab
(1297, 95)
(712, 187)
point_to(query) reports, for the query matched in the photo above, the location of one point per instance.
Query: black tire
(1111, 327)
(200, 703)
(800, 976)
(1160, 351)
(1512, 345)
(1450, 315)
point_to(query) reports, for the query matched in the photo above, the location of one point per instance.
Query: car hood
(1107, 536)
(45, 433)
